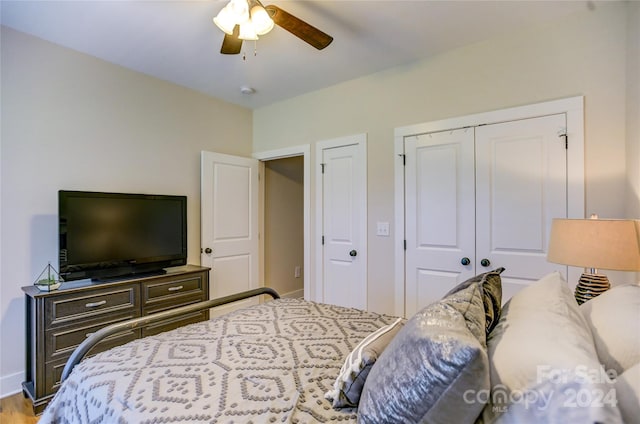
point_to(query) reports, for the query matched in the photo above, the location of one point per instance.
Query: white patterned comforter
(270, 363)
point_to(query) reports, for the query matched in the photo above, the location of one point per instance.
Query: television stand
(58, 321)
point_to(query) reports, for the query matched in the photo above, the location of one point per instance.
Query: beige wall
(70, 121)
(633, 110)
(283, 225)
(583, 54)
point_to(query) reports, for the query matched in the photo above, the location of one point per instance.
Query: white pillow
(575, 397)
(541, 335)
(614, 318)
(628, 394)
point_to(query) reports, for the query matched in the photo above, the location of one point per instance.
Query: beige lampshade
(596, 243)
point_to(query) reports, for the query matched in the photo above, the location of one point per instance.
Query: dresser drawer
(53, 374)
(62, 309)
(60, 342)
(53, 370)
(172, 291)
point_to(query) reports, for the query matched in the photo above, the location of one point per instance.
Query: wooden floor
(16, 409)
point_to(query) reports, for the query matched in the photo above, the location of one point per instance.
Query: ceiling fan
(247, 19)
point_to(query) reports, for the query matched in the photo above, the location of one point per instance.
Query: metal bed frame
(81, 351)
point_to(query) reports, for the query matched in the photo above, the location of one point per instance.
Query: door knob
(208, 250)
(353, 253)
(485, 262)
(465, 261)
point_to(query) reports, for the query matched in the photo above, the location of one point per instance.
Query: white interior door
(440, 215)
(521, 185)
(344, 221)
(229, 225)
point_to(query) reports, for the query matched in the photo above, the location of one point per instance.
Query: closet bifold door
(440, 214)
(521, 181)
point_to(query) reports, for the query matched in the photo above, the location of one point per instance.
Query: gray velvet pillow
(491, 294)
(439, 355)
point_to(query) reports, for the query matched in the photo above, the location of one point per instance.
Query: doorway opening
(300, 165)
(283, 226)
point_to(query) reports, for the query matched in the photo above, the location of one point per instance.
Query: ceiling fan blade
(299, 28)
(231, 43)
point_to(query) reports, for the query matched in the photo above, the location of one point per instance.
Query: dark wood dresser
(58, 321)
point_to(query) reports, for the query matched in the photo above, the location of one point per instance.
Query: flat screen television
(103, 236)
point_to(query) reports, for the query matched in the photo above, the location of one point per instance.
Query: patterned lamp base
(590, 286)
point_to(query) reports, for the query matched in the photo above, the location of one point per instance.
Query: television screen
(106, 235)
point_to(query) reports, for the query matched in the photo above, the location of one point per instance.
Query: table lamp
(595, 244)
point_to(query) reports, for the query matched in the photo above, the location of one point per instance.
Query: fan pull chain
(255, 51)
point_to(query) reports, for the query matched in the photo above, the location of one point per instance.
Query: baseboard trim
(11, 384)
(296, 294)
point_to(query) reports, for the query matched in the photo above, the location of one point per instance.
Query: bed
(463, 359)
(269, 363)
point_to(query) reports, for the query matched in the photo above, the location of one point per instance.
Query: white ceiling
(176, 40)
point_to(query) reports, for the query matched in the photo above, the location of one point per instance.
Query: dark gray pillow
(437, 357)
(491, 296)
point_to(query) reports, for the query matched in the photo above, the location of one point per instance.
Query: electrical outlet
(296, 272)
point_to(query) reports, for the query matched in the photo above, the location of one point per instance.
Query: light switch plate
(383, 229)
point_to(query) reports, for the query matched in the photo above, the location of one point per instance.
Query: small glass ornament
(49, 279)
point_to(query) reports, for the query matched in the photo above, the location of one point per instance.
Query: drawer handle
(176, 288)
(95, 304)
(88, 335)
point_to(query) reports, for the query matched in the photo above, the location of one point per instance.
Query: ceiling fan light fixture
(262, 22)
(225, 20)
(240, 9)
(247, 31)
(251, 19)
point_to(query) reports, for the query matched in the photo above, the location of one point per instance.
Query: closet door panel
(440, 215)
(520, 187)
